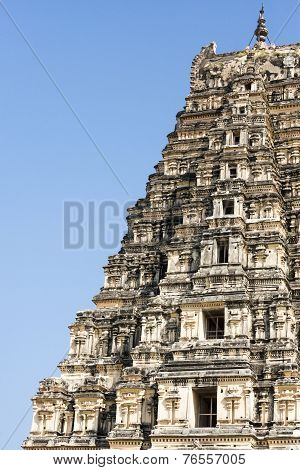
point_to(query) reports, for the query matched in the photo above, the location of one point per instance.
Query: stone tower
(194, 339)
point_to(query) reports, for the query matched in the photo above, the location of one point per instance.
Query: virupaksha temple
(194, 340)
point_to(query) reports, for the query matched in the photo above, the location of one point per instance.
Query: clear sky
(124, 68)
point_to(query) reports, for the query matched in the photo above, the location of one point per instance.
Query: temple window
(236, 137)
(163, 268)
(216, 173)
(232, 171)
(214, 324)
(205, 408)
(222, 251)
(178, 220)
(228, 207)
(137, 336)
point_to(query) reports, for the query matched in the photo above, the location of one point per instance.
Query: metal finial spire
(261, 31)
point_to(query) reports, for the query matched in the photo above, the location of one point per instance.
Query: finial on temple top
(261, 31)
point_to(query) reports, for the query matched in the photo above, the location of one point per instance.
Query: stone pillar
(35, 420)
(43, 423)
(90, 342)
(158, 330)
(297, 410)
(114, 342)
(143, 333)
(222, 171)
(244, 137)
(217, 212)
(69, 421)
(77, 422)
(56, 417)
(72, 344)
(105, 339)
(229, 138)
(239, 207)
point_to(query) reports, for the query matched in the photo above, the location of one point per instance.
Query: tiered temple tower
(194, 339)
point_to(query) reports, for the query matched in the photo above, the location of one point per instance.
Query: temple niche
(194, 339)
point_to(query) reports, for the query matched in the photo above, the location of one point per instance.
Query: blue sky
(124, 68)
